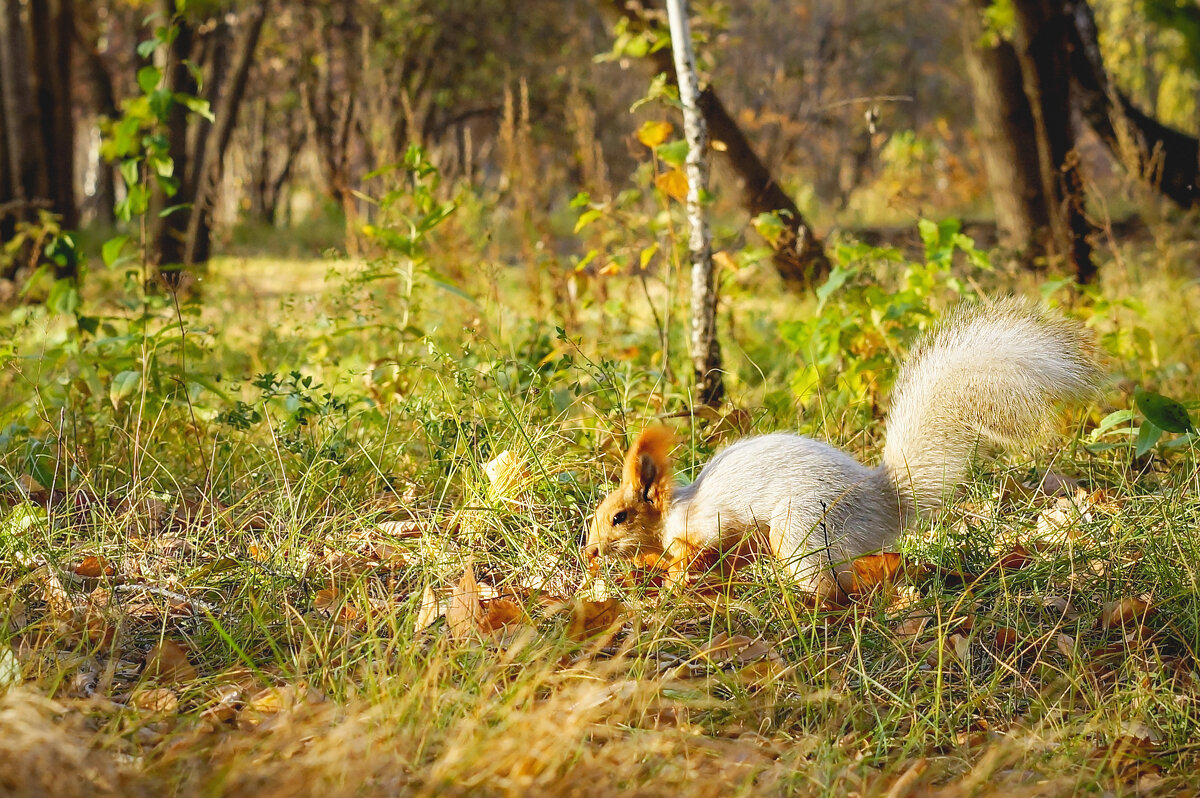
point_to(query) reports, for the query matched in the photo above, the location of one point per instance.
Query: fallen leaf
(1124, 612)
(912, 626)
(1065, 644)
(908, 780)
(168, 663)
(590, 618)
(1006, 639)
(55, 595)
(429, 611)
(1016, 559)
(499, 613)
(155, 699)
(464, 612)
(93, 568)
(506, 475)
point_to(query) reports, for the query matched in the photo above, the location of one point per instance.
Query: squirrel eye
(620, 518)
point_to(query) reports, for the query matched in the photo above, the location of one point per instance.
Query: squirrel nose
(591, 551)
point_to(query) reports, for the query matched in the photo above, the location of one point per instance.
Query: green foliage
(850, 346)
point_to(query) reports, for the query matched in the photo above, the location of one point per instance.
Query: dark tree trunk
(25, 149)
(171, 229)
(1006, 135)
(211, 161)
(1167, 159)
(1042, 44)
(798, 254)
(53, 26)
(7, 190)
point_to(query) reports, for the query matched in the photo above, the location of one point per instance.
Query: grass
(256, 619)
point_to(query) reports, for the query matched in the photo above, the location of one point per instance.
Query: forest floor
(338, 554)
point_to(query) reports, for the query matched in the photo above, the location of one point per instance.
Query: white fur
(988, 375)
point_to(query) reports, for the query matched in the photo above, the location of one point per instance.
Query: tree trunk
(7, 190)
(53, 26)
(1006, 135)
(1042, 44)
(798, 255)
(211, 161)
(26, 147)
(171, 229)
(1167, 159)
(706, 350)
(104, 201)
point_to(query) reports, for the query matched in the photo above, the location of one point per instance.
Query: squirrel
(986, 378)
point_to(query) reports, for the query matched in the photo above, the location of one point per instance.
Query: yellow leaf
(725, 261)
(654, 133)
(464, 613)
(590, 618)
(673, 183)
(429, 610)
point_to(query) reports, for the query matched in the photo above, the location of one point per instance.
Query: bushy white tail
(987, 377)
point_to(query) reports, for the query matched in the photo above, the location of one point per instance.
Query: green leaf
(1162, 412)
(64, 297)
(586, 218)
(123, 385)
(196, 106)
(673, 152)
(148, 78)
(111, 250)
(1148, 435)
(146, 49)
(837, 278)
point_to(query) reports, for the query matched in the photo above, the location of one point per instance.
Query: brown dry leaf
(271, 701)
(1015, 559)
(429, 611)
(590, 618)
(673, 183)
(761, 672)
(1124, 612)
(94, 568)
(330, 603)
(464, 613)
(155, 699)
(1061, 606)
(54, 594)
(499, 613)
(1065, 644)
(723, 647)
(912, 626)
(1006, 639)
(908, 780)
(168, 663)
(653, 133)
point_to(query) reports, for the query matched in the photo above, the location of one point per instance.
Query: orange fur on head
(648, 466)
(629, 521)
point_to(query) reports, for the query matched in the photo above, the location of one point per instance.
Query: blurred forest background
(1043, 122)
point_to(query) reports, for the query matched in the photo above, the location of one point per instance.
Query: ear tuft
(648, 466)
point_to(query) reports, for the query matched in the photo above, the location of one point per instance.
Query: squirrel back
(987, 377)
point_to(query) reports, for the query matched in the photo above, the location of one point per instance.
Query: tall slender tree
(706, 350)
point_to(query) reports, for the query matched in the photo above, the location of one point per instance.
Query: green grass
(265, 554)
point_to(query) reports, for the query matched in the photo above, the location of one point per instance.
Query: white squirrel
(986, 377)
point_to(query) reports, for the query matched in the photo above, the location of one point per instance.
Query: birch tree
(706, 351)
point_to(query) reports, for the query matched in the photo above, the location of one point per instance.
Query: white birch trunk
(706, 352)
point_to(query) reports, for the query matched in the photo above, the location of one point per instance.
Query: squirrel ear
(647, 467)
